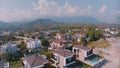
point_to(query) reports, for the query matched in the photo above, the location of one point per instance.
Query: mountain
(76, 19)
(35, 24)
(2, 24)
(44, 22)
(38, 24)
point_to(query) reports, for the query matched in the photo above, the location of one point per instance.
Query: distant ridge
(76, 19)
(46, 23)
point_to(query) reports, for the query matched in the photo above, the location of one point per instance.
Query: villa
(85, 54)
(63, 59)
(35, 61)
(34, 44)
(8, 47)
(63, 36)
(77, 36)
(56, 44)
(4, 64)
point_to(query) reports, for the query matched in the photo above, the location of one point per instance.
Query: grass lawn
(99, 44)
(16, 64)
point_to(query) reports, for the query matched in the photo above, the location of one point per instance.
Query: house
(82, 52)
(35, 61)
(86, 55)
(3, 64)
(63, 36)
(63, 58)
(59, 36)
(8, 47)
(77, 36)
(56, 44)
(33, 44)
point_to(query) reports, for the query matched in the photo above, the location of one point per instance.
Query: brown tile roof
(36, 60)
(63, 52)
(59, 41)
(83, 47)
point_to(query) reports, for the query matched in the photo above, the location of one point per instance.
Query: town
(59, 33)
(87, 47)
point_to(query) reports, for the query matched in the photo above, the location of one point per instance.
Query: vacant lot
(100, 44)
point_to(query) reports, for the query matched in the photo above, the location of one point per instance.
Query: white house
(8, 47)
(3, 64)
(63, 58)
(33, 44)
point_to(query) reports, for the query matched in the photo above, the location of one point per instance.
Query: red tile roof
(59, 41)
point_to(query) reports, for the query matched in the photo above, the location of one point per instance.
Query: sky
(17, 10)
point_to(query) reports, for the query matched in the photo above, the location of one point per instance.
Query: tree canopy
(45, 42)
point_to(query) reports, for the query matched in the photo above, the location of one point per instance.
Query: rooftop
(83, 47)
(59, 41)
(63, 52)
(36, 60)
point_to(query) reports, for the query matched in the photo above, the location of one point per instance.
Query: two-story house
(56, 44)
(34, 44)
(8, 47)
(63, 36)
(82, 52)
(3, 64)
(35, 61)
(63, 58)
(77, 36)
(86, 55)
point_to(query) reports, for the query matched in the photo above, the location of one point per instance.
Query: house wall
(55, 45)
(8, 48)
(62, 62)
(82, 54)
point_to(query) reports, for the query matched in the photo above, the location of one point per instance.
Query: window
(69, 60)
(89, 52)
(78, 51)
(54, 57)
(74, 50)
(77, 56)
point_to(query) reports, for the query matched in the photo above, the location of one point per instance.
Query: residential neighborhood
(62, 50)
(59, 34)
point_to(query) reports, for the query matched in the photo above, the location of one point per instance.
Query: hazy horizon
(106, 11)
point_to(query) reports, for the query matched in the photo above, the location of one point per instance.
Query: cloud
(44, 8)
(103, 9)
(14, 15)
(115, 13)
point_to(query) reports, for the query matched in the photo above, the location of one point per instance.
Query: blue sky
(16, 10)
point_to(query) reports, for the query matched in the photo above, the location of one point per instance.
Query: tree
(21, 34)
(22, 47)
(91, 35)
(98, 35)
(83, 41)
(8, 56)
(94, 35)
(45, 42)
(118, 34)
